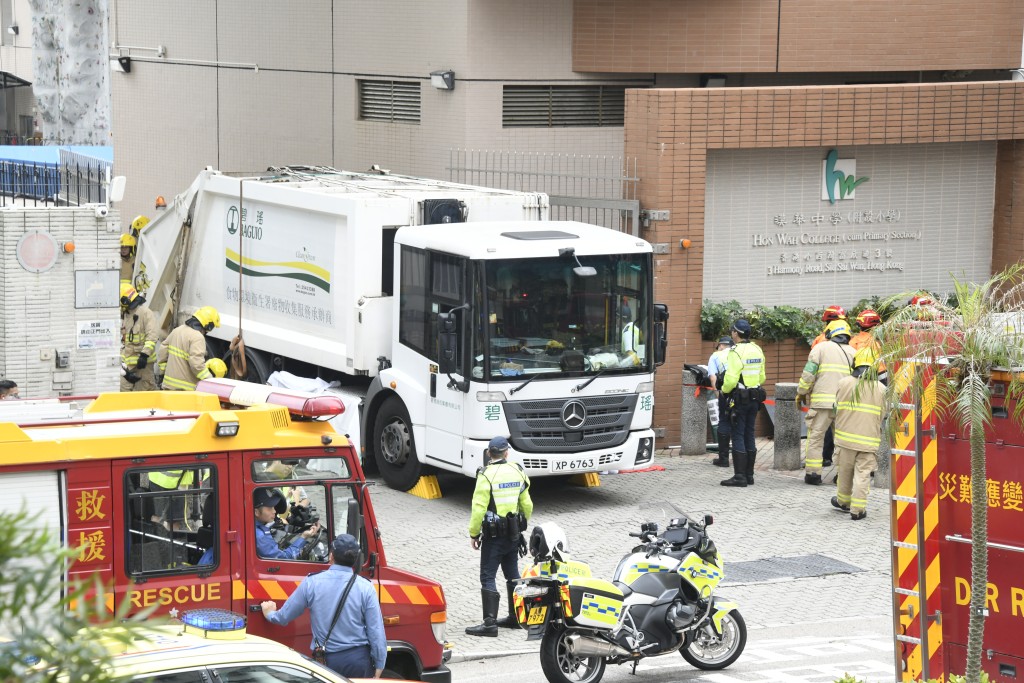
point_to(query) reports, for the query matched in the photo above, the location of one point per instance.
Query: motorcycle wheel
(560, 666)
(711, 652)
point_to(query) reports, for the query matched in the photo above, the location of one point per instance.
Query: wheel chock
(426, 488)
(586, 479)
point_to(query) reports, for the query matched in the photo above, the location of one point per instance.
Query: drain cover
(774, 568)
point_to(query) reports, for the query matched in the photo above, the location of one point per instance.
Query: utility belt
(509, 526)
(745, 395)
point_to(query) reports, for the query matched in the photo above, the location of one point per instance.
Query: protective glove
(143, 360)
(799, 400)
(131, 376)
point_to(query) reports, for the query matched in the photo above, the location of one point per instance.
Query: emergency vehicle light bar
(298, 403)
(213, 623)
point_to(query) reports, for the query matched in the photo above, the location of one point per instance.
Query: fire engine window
(282, 529)
(172, 520)
(285, 469)
(342, 494)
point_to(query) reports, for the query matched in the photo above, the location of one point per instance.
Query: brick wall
(670, 131)
(732, 36)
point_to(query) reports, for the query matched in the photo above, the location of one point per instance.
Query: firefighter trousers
(818, 421)
(854, 482)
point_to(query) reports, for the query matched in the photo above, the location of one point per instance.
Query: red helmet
(868, 319)
(922, 300)
(834, 312)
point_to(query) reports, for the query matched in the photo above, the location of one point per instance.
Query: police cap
(344, 543)
(498, 444)
(271, 498)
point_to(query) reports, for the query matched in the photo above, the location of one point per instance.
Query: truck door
(312, 485)
(444, 405)
(172, 538)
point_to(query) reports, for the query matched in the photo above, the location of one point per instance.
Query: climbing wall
(71, 70)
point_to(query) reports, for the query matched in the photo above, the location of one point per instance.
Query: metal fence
(590, 188)
(25, 183)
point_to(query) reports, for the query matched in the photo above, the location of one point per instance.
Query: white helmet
(548, 541)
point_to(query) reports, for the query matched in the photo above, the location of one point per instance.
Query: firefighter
(169, 511)
(182, 356)
(128, 247)
(716, 373)
(139, 333)
(833, 312)
(859, 412)
(744, 375)
(827, 363)
(501, 509)
(866, 320)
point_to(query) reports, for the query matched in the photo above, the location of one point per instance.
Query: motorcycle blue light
(214, 623)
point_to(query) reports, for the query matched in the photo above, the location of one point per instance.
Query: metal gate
(589, 188)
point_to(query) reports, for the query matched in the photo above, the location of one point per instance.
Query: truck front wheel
(393, 446)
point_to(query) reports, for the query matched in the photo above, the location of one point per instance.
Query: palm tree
(959, 345)
(52, 631)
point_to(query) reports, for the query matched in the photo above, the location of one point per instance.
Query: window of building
(552, 106)
(391, 101)
(172, 520)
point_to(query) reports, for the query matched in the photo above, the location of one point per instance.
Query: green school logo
(839, 173)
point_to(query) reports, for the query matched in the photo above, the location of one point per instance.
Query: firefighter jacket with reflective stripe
(826, 365)
(745, 360)
(859, 406)
(508, 484)
(138, 334)
(126, 270)
(182, 358)
(171, 479)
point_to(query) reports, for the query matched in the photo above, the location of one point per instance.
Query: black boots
(489, 627)
(751, 457)
(723, 451)
(510, 621)
(739, 467)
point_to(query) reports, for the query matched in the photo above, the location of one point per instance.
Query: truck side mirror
(354, 520)
(660, 333)
(447, 343)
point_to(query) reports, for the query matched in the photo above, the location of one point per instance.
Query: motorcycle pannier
(595, 602)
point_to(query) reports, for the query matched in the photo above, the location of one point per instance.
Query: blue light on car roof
(213, 623)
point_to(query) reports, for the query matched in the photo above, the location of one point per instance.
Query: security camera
(102, 210)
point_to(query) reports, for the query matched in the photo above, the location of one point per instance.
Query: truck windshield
(539, 317)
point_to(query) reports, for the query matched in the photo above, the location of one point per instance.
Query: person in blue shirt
(269, 504)
(356, 646)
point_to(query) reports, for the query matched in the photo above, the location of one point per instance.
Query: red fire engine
(157, 489)
(931, 551)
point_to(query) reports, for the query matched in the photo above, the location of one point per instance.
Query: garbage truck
(463, 312)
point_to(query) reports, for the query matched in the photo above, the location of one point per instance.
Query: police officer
(501, 509)
(716, 374)
(827, 363)
(139, 333)
(859, 412)
(744, 375)
(182, 356)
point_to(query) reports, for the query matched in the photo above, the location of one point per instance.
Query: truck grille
(538, 426)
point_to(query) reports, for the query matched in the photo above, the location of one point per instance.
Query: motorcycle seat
(626, 590)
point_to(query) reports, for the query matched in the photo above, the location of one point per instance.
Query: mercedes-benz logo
(574, 414)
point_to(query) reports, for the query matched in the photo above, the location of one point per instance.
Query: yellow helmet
(138, 224)
(218, 367)
(837, 327)
(128, 240)
(128, 293)
(208, 317)
(865, 356)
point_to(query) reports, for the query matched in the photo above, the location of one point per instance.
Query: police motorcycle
(660, 601)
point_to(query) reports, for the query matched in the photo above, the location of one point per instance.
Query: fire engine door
(173, 532)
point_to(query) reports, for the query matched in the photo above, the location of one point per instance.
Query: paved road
(773, 655)
(795, 560)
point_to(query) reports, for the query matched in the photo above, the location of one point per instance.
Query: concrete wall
(923, 212)
(205, 104)
(795, 35)
(40, 307)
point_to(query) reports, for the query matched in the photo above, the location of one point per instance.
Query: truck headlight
(644, 451)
